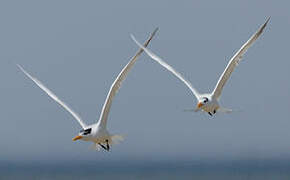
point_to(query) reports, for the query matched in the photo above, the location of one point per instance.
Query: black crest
(86, 131)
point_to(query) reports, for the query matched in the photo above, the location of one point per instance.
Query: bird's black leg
(210, 113)
(108, 146)
(214, 111)
(103, 146)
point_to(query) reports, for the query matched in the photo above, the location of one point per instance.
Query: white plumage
(96, 133)
(209, 102)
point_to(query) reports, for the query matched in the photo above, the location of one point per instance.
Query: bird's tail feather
(116, 139)
(225, 110)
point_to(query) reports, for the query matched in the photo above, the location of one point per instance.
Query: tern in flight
(209, 102)
(96, 133)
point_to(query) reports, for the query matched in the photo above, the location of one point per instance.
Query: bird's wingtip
(268, 19)
(132, 36)
(152, 34)
(20, 67)
(259, 32)
(155, 30)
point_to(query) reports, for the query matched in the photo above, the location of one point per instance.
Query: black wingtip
(263, 27)
(268, 19)
(150, 38)
(265, 24)
(154, 32)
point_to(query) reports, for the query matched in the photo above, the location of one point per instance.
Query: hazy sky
(77, 48)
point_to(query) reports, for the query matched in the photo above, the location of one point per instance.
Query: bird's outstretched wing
(54, 97)
(235, 61)
(168, 67)
(117, 83)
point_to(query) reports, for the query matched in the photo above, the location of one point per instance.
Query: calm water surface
(256, 170)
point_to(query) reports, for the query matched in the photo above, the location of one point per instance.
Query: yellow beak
(199, 105)
(77, 137)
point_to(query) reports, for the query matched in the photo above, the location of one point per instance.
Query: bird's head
(203, 101)
(83, 134)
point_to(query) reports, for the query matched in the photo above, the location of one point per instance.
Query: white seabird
(96, 133)
(209, 102)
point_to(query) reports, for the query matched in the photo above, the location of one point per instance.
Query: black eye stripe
(86, 131)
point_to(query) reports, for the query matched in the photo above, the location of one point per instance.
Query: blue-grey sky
(77, 48)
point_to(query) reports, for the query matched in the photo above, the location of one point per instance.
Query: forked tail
(224, 110)
(116, 139)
